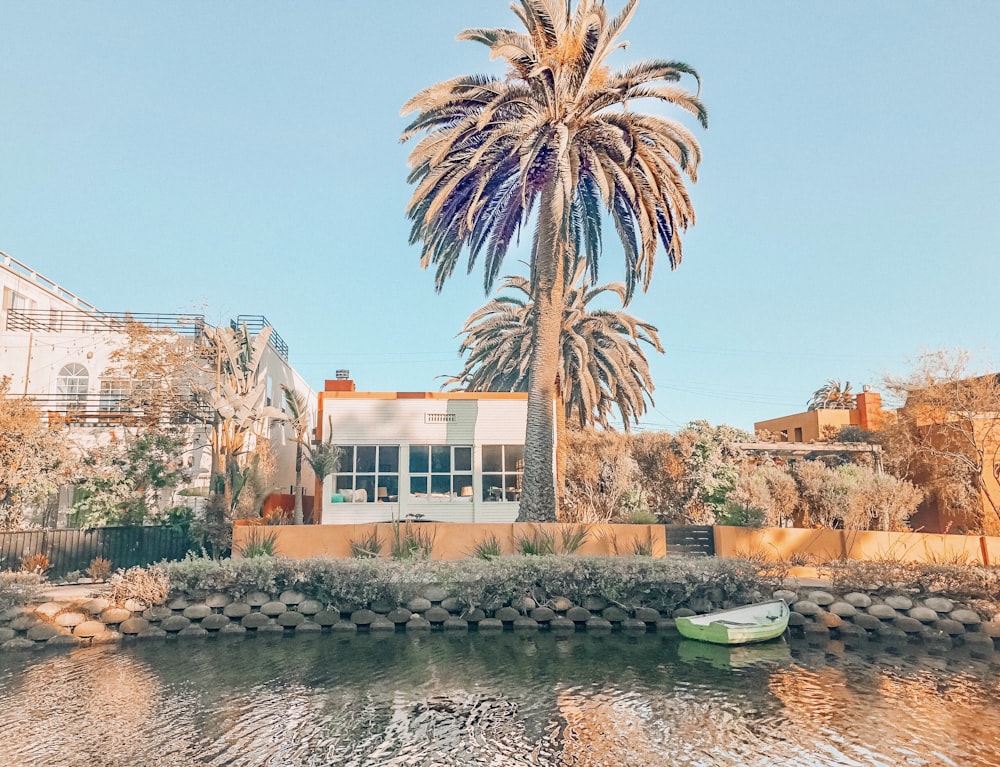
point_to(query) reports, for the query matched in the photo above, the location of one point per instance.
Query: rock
(327, 617)
(42, 632)
(19, 644)
(595, 603)
(816, 633)
(175, 623)
(822, 598)
(647, 615)
(598, 625)
(256, 621)
(362, 617)
(419, 605)
(867, 622)
(950, 627)
(344, 627)
(433, 593)
(291, 597)
(668, 625)
(70, 618)
(236, 610)
(797, 619)
(159, 613)
(806, 607)
(634, 626)
(888, 632)
(273, 608)
(843, 609)
(215, 622)
(830, 620)
(6, 634)
(197, 612)
(543, 614)
(310, 606)
(485, 625)
(701, 605)
(454, 605)
(897, 602)
(562, 625)
(89, 629)
(526, 624)
(218, 600)
(417, 623)
(381, 623)
(154, 633)
(560, 604)
(64, 640)
(106, 637)
(882, 612)
(858, 600)
(24, 622)
(457, 624)
(257, 598)
(614, 614)
(309, 627)
(939, 604)
(851, 633)
(436, 615)
(966, 617)
(399, 615)
(291, 618)
(135, 605)
(474, 616)
(786, 594)
(115, 615)
(936, 641)
(524, 605)
(579, 614)
(50, 609)
(506, 614)
(908, 624)
(133, 626)
(922, 614)
(683, 612)
(991, 629)
(232, 629)
(382, 606)
(979, 645)
(178, 603)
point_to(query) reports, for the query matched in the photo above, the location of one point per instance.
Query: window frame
(372, 480)
(510, 474)
(457, 478)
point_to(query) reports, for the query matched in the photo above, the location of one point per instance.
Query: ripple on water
(469, 700)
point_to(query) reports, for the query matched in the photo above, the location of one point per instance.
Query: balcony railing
(103, 410)
(68, 320)
(256, 323)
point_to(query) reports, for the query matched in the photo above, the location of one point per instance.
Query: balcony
(256, 323)
(102, 410)
(68, 320)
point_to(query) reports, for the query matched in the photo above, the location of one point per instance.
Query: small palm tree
(324, 459)
(602, 364)
(556, 137)
(298, 419)
(832, 396)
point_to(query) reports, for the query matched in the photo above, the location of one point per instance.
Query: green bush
(737, 515)
(18, 589)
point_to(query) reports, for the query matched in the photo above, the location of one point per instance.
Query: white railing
(45, 283)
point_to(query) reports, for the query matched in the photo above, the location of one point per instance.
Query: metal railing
(69, 550)
(68, 320)
(256, 323)
(45, 283)
(104, 410)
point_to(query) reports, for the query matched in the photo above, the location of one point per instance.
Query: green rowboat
(742, 625)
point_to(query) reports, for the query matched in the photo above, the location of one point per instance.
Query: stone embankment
(856, 619)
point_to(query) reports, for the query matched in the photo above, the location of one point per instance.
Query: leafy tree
(298, 418)
(556, 133)
(602, 364)
(34, 458)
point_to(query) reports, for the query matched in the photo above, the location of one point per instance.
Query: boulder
(843, 609)
(418, 605)
(822, 598)
(197, 612)
(290, 597)
(310, 606)
(236, 610)
(257, 598)
(898, 602)
(858, 599)
(922, 614)
(215, 622)
(965, 617)
(939, 604)
(133, 626)
(273, 609)
(217, 600)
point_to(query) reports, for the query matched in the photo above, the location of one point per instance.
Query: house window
(368, 473)
(440, 472)
(503, 468)
(114, 393)
(71, 385)
(15, 302)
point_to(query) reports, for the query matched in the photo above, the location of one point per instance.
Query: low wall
(822, 545)
(452, 541)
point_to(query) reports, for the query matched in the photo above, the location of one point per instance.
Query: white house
(57, 349)
(437, 456)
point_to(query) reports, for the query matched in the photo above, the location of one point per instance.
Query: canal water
(509, 699)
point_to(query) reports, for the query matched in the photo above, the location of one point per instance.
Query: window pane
(492, 484)
(441, 458)
(418, 485)
(514, 455)
(463, 486)
(366, 458)
(441, 484)
(388, 459)
(419, 459)
(389, 484)
(492, 458)
(463, 459)
(365, 483)
(345, 482)
(346, 462)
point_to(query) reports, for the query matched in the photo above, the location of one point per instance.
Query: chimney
(341, 382)
(869, 407)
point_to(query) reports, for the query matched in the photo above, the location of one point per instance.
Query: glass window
(503, 470)
(441, 472)
(368, 473)
(114, 394)
(72, 384)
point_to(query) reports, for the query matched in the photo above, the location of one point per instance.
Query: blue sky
(243, 157)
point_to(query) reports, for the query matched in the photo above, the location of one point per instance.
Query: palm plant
(298, 419)
(602, 365)
(832, 396)
(557, 133)
(324, 459)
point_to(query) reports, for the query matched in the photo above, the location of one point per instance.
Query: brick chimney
(342, 382)
(869, 407)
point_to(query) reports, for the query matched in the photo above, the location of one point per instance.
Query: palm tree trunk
(562, 454)
(298, 484)
(539, 502)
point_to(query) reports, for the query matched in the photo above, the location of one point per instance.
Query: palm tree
(324, 459)
(832, 396)
(556, 132)
(602, 365)
(298, 419)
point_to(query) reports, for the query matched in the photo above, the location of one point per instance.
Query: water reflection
(475, 700)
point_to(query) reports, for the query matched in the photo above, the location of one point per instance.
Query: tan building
(820, 425)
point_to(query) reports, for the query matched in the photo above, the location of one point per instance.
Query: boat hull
(744, 625)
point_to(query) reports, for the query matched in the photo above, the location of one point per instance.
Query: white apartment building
(56, 347)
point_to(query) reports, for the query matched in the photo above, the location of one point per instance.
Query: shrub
(488, 548)
(409, 541)
(100, 568)
(737, 515)
(35, 563)
(643, 517)
(366, 547)
(18, 589)
(539, 542)
(259, 543)
(149, 586)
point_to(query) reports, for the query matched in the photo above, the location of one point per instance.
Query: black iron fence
(69, 550)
